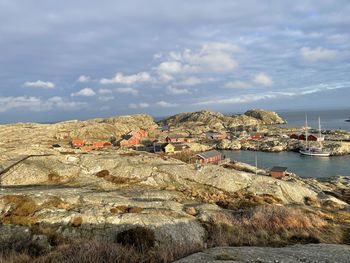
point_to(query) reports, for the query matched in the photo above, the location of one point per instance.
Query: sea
(303, 166)
(330, 119)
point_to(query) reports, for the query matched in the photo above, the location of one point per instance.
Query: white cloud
(105, 91)
(165, 104)
(247, 98)
(177, 91)
(191, 81)
(128, 80)
(237, 84)
(210, 58)
(40, 84)
(86, 92)
(131, 91)
(84, 78)
(141, 105)
(262, 79)
(37, 104)
(317, 54)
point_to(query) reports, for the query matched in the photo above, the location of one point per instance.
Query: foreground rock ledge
(312, 253)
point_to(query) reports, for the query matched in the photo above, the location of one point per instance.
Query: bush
(270, 225)
(140, 238)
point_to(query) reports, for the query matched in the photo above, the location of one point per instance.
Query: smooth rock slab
(311, 253)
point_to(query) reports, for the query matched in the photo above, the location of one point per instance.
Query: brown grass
(131, 154)
(125, 209)
(76, 221)
(22, 210)
(54, 177)
(185, 156)
(116, 179)
(271, 225)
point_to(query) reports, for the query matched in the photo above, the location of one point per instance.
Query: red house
(302, 137)
(256, 136)
(77, 143)
(312, 138)
(129, 140)
(212, 156)
(294, 136)
(141, 133)
(175, 138)
(278, 172)
(101, 144)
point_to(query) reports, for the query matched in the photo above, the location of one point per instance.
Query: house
(175, 138)
(312, 138)
(101, 144)
(215, 135)
(128, 140)
(212, 156)
(256, 136)
(140, 133)
(168, 148)
(77, 143)
(302, 137)
(189, 139)
(278, 171)
(164, 128)
(294, 136)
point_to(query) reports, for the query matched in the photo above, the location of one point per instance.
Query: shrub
(22, 210)
(140, 238)
(270, 225)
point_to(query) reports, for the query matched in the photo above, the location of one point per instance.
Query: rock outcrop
(206, 120)
(313, 253)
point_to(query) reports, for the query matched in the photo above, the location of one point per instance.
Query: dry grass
(184, 156)
(76, 221)
(22, 210)
(86, 251)
(125, 209)
(271, 225)
(116, 179)
(55, 178)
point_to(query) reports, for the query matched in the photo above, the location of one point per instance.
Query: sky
(83, 59)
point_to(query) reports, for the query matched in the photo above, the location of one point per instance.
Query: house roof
(278, 169)
(208, 154)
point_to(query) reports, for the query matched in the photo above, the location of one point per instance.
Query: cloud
(215, 57)
(84, 78)
(177, 91)
(131, 91)
(317, 54)
(40, 84)
(105, 91)
(237, 84)
(128, 80)
(86, 92)
(141, 105)
(165, 104)
(293, 92)
(37, 104)
(190, 81)
(262, 79)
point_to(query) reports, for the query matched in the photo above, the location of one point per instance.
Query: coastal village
(203, 146)
(103, 179)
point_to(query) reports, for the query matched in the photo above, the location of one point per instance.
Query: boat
(348, 119)
(314, 151)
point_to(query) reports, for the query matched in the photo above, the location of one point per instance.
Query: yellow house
(168, 148)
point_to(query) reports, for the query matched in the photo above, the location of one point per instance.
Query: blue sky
(81, 59)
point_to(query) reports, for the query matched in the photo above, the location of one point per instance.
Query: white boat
(348, 120)
(314, 151)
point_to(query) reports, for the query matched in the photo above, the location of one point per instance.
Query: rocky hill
(213, 120)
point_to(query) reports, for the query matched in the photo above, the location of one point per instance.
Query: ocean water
(330, 119)
(303, 166)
